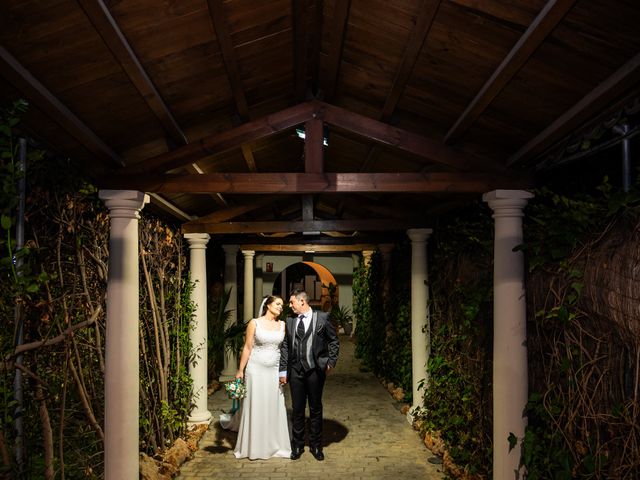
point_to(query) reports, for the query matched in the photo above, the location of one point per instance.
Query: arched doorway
(315, 279)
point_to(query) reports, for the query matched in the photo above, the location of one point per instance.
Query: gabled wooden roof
(424, 104)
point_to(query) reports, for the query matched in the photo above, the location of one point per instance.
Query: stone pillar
(247, 311)
(258, 283)
(122, 375)
(420, 334)
(198, 369)
(230, 284)
(510, 379)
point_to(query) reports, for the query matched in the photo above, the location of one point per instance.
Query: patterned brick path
(365, 437)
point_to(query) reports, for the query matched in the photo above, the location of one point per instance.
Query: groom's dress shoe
(317, 453)
(296, 453)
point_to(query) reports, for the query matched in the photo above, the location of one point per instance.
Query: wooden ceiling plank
(217, 14)
(548, 18)
(356, 247)
(339, 27)
(592, 103)
(299, 22)
(40, 96)
(227, 140)
(313, 148)
(291, 183)
(105, 24)
(418, 35)
(298, 226)
(407, 141)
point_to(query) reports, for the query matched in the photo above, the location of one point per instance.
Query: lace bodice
(266, 346)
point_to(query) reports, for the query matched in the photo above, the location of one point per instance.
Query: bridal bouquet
(236, 389)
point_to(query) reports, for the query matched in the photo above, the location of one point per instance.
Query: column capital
(230, 249)
(197, 240)
(248, 253)
(419, 234)
(124, 203)
(507, 203)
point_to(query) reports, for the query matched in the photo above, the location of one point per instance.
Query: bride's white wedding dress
(263, 431)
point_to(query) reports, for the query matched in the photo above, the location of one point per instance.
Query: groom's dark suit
(305, 359)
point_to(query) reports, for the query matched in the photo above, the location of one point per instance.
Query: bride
(263, 431)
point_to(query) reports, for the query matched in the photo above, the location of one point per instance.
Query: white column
(230, 283)
(258, 283)
(510, 389)
(247, 311)
(122, 376)
(198, 368)
(420, 335)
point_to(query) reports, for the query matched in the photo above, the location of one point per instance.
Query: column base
(200, 418)
(225, 377)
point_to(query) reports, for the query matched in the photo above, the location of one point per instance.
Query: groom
(308, 352)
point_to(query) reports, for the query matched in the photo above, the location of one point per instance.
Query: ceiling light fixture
(301, 134)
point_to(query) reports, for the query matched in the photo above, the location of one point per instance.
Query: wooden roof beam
(40, 96)
(596, 100)
(417, 37)
(339, 27)
(170, 208)
(227, 140)
(105, 24)
(298, 226)
(217, 14)
(291, 183)
(548, 18)
(403, 140)
(299, 24)
(233, 212)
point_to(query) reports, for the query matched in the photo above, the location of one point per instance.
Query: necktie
(300, 329)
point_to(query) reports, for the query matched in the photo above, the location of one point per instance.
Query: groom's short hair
(300, 295)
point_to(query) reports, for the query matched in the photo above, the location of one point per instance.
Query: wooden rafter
(336, 37)
(217, 14)
(168, 207)
(289, 183)
(235, 211)
(316, 39)
(384, 224)
(601, 96)
(224, 141)
(106, 26)
(418, 35)
(37, 93)
(302, 247)
(403, 139)
(194, 168)
(540, 28)
(299, 23)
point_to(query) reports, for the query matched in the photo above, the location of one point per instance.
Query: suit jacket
(324, 342)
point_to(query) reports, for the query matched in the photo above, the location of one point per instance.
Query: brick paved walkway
(365, 437)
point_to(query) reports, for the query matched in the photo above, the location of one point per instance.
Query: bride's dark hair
(268, 300)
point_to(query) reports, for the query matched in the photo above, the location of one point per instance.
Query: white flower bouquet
(236, 389)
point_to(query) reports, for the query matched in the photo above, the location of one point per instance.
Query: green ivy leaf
(6, 222)
(513, 441)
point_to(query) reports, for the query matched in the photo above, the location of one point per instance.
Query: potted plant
(341, 316)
